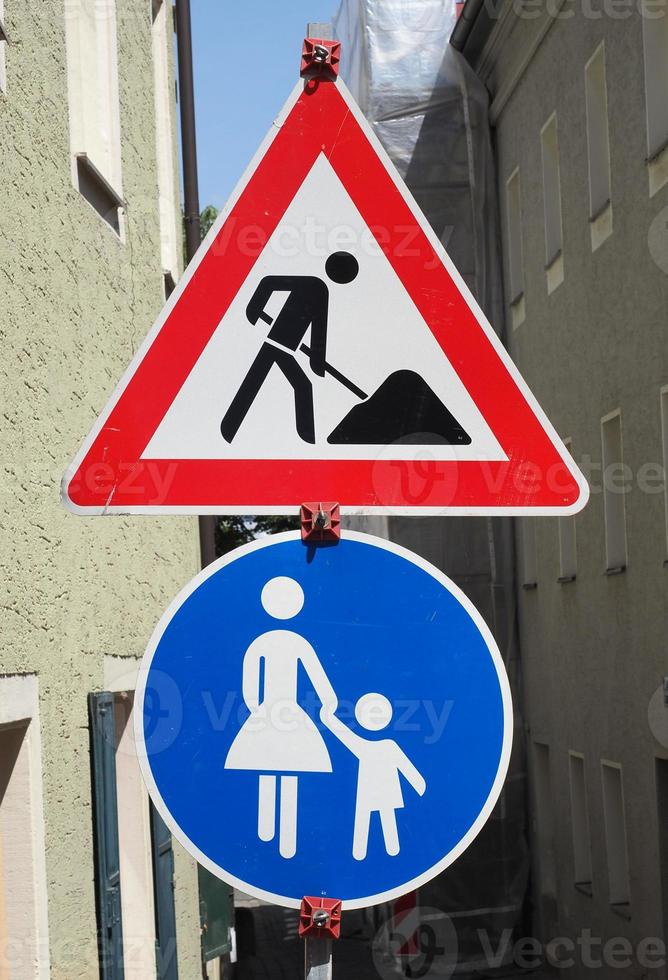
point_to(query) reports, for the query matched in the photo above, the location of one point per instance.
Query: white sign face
(362, 342)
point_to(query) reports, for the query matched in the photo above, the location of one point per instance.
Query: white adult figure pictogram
(380, 763)
(278, 737)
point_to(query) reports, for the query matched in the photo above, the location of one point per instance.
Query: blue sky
(246, 57)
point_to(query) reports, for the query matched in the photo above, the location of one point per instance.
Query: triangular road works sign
(322, 346)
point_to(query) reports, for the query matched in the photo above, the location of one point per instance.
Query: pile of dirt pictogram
(404, 409)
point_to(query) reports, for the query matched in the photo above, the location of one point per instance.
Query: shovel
(329, 368)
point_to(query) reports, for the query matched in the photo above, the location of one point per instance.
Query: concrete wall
(76, 301)
(594, 649)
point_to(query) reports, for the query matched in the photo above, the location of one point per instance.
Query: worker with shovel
(306, 307)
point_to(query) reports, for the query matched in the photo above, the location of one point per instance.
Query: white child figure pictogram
(380, 763)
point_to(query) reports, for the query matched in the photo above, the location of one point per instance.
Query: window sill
(97, 190)
(169, 283)
(565, 579)
(550, 262)
(600, 226)
(657, 153)
(554, 272)
(584, 887)
(622, 909)
(529, 586)
(599, 211)
(518, 311)
(615, 570)
(657, 169)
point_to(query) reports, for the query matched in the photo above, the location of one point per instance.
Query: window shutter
(105, 825)
(163, 886)
(216, 913)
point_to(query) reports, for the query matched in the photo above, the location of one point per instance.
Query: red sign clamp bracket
(321, 58)
(320, 918)
(320, 522)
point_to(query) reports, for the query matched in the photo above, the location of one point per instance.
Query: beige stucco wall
(75, 303)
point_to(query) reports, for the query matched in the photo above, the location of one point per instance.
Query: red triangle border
(109, 474)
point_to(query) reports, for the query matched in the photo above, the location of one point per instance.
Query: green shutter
(216, 910)
(105, 835)
(163, 895)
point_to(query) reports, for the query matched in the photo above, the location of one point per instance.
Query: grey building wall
(593, 649)
(75, 300)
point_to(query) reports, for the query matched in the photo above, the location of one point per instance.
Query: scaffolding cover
(430, 112)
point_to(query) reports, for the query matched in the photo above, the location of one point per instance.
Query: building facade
(579, 110)
(90, 242)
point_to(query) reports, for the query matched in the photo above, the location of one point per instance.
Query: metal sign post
(317, 958)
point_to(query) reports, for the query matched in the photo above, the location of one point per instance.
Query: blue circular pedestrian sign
(331, 720)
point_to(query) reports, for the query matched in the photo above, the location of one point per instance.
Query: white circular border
(245, 886)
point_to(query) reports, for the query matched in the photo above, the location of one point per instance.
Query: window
(655, 46)
(598, 145)
(615, 834)
(23, 903)
(580, 823)
(661, 772)
(545, 819)
(567, 543)
(3, 49)
(165, 149)
(529, 555)
(614, 490)
(597, 133)
(515, 261)
(551, 190)
(92, 77)
(664, 440)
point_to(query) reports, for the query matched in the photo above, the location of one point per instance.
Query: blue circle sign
(327, 721)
